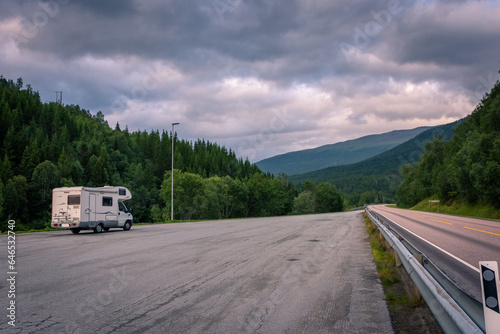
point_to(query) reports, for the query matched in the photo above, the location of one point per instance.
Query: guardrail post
(398, 259)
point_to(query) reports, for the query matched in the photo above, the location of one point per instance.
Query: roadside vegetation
(462, 173)
(459, 209)
(320, 198)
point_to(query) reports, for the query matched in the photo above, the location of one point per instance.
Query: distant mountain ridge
(338, 154)
(375, 179)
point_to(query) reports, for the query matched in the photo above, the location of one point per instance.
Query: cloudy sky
(260, 77)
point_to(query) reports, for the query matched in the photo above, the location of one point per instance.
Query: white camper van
(98, 209)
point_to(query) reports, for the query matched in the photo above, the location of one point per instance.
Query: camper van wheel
(75, 230)
(127, 226)
(98, 228)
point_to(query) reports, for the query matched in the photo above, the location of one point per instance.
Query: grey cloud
(101, 53)
(106, 9)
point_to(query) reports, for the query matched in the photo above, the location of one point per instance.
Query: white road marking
(442, 250)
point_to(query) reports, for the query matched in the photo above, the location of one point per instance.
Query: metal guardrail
(455, 310)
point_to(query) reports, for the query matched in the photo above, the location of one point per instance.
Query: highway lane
(299, 274)
(455, 244)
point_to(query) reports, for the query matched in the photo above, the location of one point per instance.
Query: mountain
(338, 154)
(376, 178)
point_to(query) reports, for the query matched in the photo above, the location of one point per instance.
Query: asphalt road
(300, 274)
(454, 244)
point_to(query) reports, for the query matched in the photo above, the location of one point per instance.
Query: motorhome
(85, 208)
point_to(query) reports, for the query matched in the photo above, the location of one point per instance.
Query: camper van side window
(73, 199)
(107, 201)
(122, 192)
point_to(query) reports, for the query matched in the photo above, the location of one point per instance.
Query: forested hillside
(47, 145)
(375, 180)
(338, 154)
(465, 169)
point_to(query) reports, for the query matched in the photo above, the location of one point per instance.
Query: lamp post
(172, 194)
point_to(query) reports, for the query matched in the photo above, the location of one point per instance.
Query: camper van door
(92, 209)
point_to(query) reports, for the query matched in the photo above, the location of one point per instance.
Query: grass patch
(458, 208)
(384, 260)
(409, 312)
(20, 228)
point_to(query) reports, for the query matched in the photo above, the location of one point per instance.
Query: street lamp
(172, 194)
